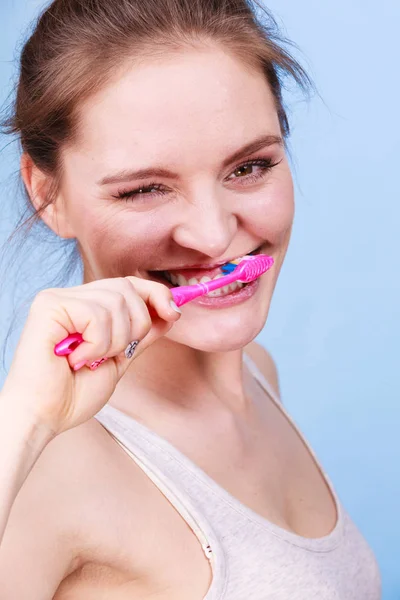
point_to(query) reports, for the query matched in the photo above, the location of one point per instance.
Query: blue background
(334, 323)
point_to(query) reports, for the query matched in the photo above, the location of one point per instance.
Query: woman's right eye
(142, 191)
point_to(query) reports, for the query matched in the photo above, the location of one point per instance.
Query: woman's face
(171, 171)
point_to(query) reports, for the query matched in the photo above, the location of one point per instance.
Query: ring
(130, 349)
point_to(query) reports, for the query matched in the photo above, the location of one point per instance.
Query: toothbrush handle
(68, 344)
(186, 293)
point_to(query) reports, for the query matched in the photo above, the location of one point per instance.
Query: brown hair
(77, 45)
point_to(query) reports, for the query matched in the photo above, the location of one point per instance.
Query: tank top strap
(265, 384)
(262, 380)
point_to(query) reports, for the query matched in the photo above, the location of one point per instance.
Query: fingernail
(97, 363)
(175, 307)
(79, 365)
(130, 349)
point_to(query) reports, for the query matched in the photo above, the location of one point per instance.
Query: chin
(219, 331)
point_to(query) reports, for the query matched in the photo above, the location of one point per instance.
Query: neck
(183, 376)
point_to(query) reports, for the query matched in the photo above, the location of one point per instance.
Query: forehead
(196, 100)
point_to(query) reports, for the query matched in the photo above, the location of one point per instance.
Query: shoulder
(266, 364)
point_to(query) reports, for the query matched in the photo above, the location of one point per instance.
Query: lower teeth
(224, 291)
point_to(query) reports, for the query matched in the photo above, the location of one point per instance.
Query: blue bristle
(228, 268)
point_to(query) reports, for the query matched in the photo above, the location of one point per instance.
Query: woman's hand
(109, 313)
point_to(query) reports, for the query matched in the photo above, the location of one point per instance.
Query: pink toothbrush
(249, 268)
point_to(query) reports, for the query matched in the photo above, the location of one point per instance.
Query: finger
(157, 296)
(129, 316)
(94, 321)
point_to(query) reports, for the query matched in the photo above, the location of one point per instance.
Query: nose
(206, 227)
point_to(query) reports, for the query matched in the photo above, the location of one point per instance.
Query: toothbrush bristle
(252, 267)
(231, 266)
(228, 268)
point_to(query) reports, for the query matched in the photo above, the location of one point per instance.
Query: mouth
(179, 277)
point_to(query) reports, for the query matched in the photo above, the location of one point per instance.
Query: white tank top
(251, 558)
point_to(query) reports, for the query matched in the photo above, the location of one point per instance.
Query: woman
(153, 134)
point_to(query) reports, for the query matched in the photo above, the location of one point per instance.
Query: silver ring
(130, 349)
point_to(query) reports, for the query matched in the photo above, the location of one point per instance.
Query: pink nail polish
(97, 363)
(79, 365)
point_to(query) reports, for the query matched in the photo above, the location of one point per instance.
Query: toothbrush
(248, 269)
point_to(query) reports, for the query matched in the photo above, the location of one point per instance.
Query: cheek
(121, 242)
(272, 212)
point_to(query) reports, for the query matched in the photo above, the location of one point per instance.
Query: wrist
(22, 424)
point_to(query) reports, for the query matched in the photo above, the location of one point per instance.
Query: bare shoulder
(265, 363)
(57, 512)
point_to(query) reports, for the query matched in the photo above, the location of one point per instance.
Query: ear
(38, 185)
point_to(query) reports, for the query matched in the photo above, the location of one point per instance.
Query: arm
(36, 548)
(21, 443)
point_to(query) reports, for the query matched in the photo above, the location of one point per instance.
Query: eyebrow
(254, 146)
